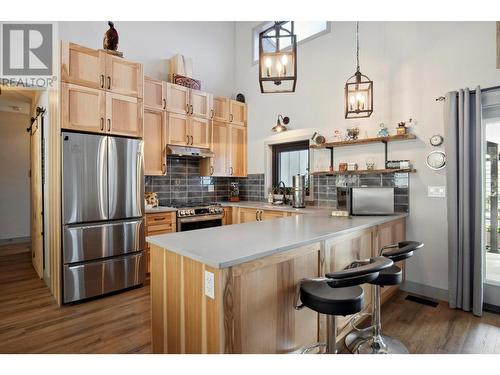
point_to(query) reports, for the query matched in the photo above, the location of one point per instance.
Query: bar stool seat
(324, 299)
(390, 276)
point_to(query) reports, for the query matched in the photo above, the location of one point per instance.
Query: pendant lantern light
(278, 58)
(358, 90)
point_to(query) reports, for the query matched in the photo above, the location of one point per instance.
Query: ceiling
(16, 100)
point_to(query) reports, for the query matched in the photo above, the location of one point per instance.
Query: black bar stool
(370, 340)
(338, 293)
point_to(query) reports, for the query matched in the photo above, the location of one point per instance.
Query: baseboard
(13, 241)
(425, 290)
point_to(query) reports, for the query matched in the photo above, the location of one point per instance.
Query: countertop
(277, 207)
(159, 209)
(226, 246)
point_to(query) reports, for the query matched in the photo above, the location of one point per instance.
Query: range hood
(193, 152)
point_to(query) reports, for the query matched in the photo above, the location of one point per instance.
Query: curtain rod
(441, 98)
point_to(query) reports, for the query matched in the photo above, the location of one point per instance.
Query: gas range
(197, 209)
(199, 216)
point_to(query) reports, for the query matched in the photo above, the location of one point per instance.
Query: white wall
(411, 64)
(14, 176)
(209, 44)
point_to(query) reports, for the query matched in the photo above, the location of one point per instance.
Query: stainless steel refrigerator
(103, 205)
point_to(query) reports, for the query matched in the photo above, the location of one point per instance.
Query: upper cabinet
(187, 101)
(155, 96)
(82, 108)
(237, 152)
(155, 134)
(228, 110)
(124, 77)
(82, 66)
(123, 115)
(237, 113)
(96, 69)
(220, 109)
(177, 98)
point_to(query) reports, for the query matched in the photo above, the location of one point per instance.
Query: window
(288, 160)
(305, 31)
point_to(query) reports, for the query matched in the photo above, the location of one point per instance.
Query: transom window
(290, 159)
(305, 31)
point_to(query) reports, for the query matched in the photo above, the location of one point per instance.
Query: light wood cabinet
(228, 216)
(237, 150)
(387, 234)
(187, 131)
(154, 94)
(82, 108)
(237, 113)
(220, 107)
(200, 104)
(124, 77)
(155, 136)
(220, 149)
(177, 125)
(245, 215)
(198, 131)
(96, 69)
(82, 66)
(123, 115)
(177, 98)
(158, 223)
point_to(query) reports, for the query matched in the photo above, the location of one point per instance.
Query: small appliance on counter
(234, 192)
(398, 164)
(366, 200)
(299, 191)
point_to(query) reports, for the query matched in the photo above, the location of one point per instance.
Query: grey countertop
(226, 246)
(277, 207)
(159, 209)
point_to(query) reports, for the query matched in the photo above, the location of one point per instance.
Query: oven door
(198, 222)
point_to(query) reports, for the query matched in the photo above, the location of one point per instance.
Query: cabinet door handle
(212, 113)
(102, 123)
(187, 109)
(192, 140)
(191, 109)
(257, 215)
(230, 117)
(109, 83)
(164, 168)
(187, 137)
(211, 170)
(102, 81)
(109, 125)
(260, 215)
(231, 171)
(164, 103)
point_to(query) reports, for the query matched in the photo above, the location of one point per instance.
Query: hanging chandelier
(358, 90)
(278, 58)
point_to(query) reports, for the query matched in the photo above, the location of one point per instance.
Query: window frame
(264, 25)
(278, 148)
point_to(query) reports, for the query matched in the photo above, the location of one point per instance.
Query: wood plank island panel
(253, 306)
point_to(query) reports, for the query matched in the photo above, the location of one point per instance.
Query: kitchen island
(230, 289)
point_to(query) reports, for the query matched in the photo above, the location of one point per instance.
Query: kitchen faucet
(282, 191)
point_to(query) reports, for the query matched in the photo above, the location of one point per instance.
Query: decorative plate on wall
(436, 160)
(436, 140)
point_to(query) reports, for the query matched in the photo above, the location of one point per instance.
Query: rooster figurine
(111, 38)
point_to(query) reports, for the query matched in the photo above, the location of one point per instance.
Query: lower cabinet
(158, 223)
(245, 215)
(228, 216)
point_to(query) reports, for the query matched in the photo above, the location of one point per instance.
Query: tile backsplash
(325, 187)
(183, 184)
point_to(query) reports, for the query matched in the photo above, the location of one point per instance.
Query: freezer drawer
(92, 241)
(100, 277)
(84, 177)
(125, 178)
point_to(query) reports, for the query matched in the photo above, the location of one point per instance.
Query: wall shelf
(384, 140)
(391, 138)
(363, 171)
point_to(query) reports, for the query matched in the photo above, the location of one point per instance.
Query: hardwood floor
(31, 322)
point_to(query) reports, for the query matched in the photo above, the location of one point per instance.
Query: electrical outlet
(436, 191)
(211, 188)
(209, 284)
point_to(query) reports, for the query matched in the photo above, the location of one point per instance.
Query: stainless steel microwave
(366, 200)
